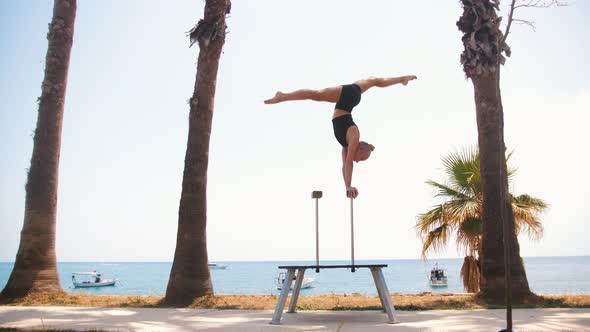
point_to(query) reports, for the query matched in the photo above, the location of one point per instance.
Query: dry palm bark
(481, 59)
(190, 277)
(35, 264)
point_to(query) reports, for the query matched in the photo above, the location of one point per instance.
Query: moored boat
(217, 266)
(438, 277)
(307, 282)
(91, 279)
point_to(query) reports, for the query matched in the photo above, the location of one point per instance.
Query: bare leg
(329, 94)
(383, 82)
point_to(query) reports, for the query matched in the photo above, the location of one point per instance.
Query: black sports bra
(341, 125)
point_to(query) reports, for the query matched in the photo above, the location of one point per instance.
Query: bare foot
(406, 79)
(276, 99)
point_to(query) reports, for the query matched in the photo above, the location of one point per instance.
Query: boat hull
(306, 283)
(217, 267)
(442, 282)
(95, 284)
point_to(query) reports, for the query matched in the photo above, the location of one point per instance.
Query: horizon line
(300, 260)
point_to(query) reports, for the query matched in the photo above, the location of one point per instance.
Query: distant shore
(423, 301)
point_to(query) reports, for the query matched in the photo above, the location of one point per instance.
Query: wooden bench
(376, 271)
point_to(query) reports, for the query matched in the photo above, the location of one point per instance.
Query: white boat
(307, 282)
(90, 279)
(438, 277)
(217, 266)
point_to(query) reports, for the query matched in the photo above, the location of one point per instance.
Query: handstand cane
(317, 195)
(352, 233)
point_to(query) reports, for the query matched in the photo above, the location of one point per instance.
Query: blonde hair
(370, 146)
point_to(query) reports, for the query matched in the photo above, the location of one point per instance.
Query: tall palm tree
(482, 56)
(35, 264)
(461, 212)
(190, 277)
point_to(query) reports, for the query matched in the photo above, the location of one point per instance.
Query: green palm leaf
(446, 191)
(529, 202)
(469, 235)
(462, 168)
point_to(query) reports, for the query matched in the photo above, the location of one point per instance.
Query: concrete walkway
(148, 319)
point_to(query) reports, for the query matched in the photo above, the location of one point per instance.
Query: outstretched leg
(383, 82)
(329, 94)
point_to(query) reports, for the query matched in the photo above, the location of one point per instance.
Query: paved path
(148, 319)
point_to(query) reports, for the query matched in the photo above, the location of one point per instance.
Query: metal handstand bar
(297, 272)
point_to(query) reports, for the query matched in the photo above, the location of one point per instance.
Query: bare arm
(347, 167)
(344, 153)
(352, 137)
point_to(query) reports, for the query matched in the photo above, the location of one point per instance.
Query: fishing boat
(217, 266)
(307, 282)
(438, 277)
(90, 279)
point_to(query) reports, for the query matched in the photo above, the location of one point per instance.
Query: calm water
(546, 275)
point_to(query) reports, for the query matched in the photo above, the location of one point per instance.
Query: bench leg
(276, 317)
(385, 296)
(375, 273)
(295, 294)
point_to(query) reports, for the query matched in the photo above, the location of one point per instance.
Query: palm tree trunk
(35, 264)
(519, 281)
(190, 277)
(490, 126)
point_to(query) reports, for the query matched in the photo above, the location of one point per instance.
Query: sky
(126, 125)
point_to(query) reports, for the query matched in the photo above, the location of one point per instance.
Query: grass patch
(84, 300)
(413, 302)
(565, 301)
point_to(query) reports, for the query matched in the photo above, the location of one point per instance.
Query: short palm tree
(460, 212)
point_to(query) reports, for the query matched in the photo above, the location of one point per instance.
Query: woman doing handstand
(347, 133)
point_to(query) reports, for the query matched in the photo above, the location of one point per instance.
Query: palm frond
(534, 228)
(447, 191)
(475, 180)
(526, 215)
(472, 227)
(458, 210)
(462, 168)
(452, 213)
(429, 220)
(511, 170)
(470, 274)
(469, 235)
(529, 202)
(436, 239)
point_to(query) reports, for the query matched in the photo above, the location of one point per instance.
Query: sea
(546, 275)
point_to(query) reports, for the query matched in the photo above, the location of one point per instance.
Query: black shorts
(349, 97)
